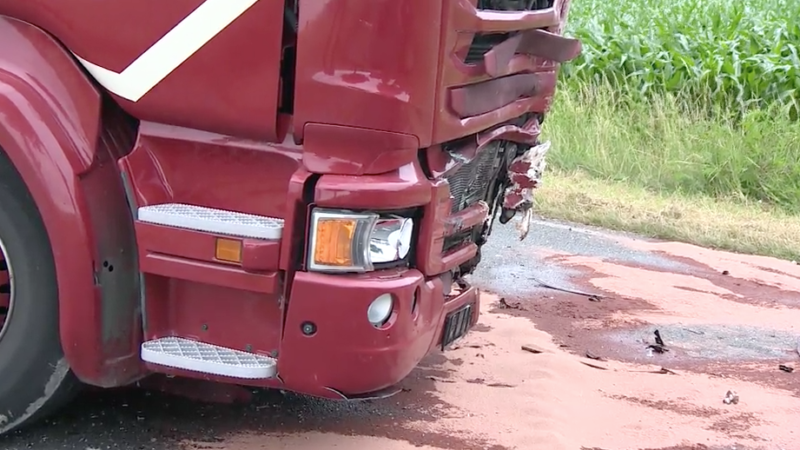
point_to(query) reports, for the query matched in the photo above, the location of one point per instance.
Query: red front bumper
(347, 354)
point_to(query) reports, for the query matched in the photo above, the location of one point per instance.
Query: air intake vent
(514, 5)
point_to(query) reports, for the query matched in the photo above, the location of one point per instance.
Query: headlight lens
(343, 241)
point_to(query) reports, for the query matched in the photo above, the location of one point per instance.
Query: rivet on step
(248, 348)
(205, 327)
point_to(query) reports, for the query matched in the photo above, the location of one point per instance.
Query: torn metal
(524, 175)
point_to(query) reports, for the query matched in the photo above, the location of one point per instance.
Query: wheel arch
(63, 140)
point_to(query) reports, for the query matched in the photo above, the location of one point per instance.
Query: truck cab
(274, 193)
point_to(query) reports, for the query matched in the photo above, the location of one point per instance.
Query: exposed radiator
(471, 182)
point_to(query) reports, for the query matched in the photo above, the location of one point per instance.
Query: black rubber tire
(35, 378)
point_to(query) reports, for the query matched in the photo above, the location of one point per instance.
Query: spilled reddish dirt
(556, 370)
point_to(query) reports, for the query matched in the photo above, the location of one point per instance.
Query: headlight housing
(346, 241)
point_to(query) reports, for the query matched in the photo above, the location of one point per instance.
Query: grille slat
(456, 325)
(514, 5)
(482, 43)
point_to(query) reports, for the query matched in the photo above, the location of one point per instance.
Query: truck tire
(35, 378)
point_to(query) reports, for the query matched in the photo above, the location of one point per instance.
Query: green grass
(683, 106)
(662, 147)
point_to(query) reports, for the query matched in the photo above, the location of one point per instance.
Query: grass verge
(663, 171)
(723, 224)
(665, 146)
(679, 120)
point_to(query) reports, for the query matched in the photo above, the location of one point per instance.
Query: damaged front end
(498, 81)
(524, 174)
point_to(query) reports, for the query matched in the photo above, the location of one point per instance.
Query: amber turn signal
(339, 241)
(229, 250)
(334, 242)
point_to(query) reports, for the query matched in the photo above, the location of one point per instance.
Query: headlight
(343, 241)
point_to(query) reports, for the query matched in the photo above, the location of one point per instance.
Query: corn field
(697, 97)
(737, 55)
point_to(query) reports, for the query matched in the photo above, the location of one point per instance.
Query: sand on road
(589, 379)
(728, 322)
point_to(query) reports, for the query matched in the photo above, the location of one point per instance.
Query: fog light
(380, 309)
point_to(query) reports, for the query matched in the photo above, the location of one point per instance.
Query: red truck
(275, 193)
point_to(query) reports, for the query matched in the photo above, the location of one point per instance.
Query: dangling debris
(524, 174)
(659, 346)
(731, 398)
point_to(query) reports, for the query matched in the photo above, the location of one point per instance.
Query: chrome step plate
(212, 359)
(212, 220)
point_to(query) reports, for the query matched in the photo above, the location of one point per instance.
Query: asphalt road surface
(565, 357)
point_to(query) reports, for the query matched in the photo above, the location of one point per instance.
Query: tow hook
(524, 175)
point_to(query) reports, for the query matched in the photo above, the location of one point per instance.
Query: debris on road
(532, 349)
(494, 384)
(664, 371)
(659, 346)
(785, 368)
(439, 379)
(731, 398)
(591, 295)
(591, 355)
(594, 365)
(458, 347)
(501, 385)
(659, 341)
(659, 371)
(725, 272)
(506, 305)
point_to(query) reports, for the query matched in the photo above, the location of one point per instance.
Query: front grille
(456, 324)
(471, 182)
(514, 5)
(457, 240)
(482, 43)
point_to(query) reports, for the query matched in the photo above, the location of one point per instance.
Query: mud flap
(524, 175)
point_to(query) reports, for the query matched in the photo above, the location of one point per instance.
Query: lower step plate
(201, 357)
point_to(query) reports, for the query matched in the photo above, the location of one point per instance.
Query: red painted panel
(229, 86)
(370, 64)
(257, 255)
(214, 314)
(180, 165)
